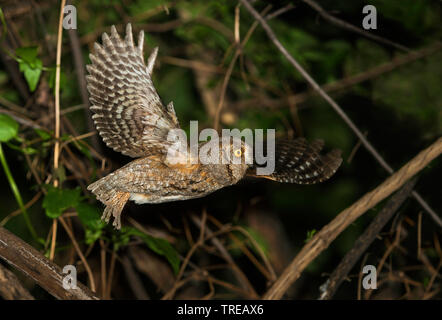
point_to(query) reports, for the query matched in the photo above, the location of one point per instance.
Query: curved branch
(365, 240)
(32, 263)
(11, 288)
(328, 233)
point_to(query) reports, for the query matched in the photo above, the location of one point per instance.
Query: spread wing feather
(297, 161)
(128, 112)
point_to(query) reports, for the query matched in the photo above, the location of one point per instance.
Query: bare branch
(32, 263)
(81, 78)
(11, 288)
(365, 239)
(242, 279)
(328, 233)
(334, 105)
(346, 82)
(348, 26)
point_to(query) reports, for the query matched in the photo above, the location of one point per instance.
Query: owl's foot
(114, 207)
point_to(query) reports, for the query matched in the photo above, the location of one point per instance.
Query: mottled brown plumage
(131, 119)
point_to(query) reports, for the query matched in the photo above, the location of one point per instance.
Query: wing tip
(140, 44)
(151, 61)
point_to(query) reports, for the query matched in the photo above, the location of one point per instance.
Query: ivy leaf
(32, 75)
(159, 246)
(27, 54)
(90, 216)
(8, 128)
(92, 235)
(58, 200)
(30, 65)
(43, 134)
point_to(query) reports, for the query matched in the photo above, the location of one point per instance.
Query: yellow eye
(238, 153)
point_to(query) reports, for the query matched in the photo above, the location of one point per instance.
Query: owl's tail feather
(114, 200)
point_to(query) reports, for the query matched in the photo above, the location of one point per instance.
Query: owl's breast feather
(142, 198)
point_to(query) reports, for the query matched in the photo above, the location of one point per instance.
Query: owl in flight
(131, 119)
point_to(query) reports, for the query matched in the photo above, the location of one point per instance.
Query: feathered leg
(114, 200)
(114, 208)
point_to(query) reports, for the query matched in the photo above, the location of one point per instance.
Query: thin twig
(134, 280)
(81, 78)
(103, 267)
(171, 293)
(34, 199)
(57, 87)
(346, 82)
(348, 26)
(238, 51)
(270, 274)
(364, 240)
(80, 254)
(57, 120)
(110, 276)
(242, 279)
(21, 118)
(334, 105)
(280, 11)
(387, 253)
(359, 294)
(419, 235)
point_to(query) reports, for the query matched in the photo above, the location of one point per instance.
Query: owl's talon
(117, 221)
(106, 214)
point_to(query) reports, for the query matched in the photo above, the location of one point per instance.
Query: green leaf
(260, 240)
(58, 200)
(43, 134)
(159, 246)
(28, 54)
(92, 235)
(32, 75)
(8, 128)
(25, 150)
(30, 65)
(310, 235)
(90, 216)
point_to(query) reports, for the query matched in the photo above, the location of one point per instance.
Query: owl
(131, 119)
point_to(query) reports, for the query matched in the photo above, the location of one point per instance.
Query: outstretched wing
(297, 161)
(128, 112)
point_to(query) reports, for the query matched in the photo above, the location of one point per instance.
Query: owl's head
(236, 154)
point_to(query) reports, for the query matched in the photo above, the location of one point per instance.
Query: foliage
(8, 128)
(30, 65)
